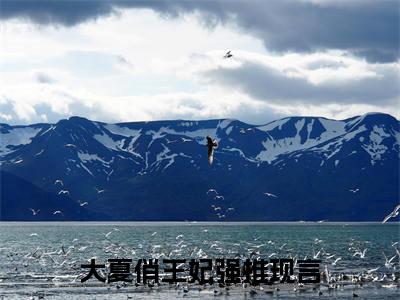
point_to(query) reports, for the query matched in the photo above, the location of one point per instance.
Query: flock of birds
(386, 274)
(216, 208)
(219, 208)
(62, 262)
(63, 192)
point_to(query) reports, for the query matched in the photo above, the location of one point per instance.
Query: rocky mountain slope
(297, 168)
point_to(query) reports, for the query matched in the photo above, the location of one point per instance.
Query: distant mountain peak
(163, 164)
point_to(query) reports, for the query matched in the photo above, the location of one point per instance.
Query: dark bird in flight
(228, 54)
(211, 145)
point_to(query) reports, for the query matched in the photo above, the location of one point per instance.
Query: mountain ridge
(164, 165)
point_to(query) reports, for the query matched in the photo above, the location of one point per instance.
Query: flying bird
(34, 212)
(360, 253)
(212, 191)
(211, 145)
(270, 195)
(354, 191)
(83, 203)
(58, 212)
(388, 262)
(168, 141)
(228, 54)
(63, 192)
(336, 260)
(393, 214)
(109, 233)
(99, 191)
(59, 181)
(373, 270)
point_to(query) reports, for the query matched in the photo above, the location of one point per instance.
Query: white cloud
(138, 66)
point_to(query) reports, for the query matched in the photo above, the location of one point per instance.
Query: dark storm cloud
(60, 12)
(366, 28)
(272, 86)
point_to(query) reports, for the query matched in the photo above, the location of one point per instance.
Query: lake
(43, 259)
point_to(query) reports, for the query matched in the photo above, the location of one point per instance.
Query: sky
(124, 61)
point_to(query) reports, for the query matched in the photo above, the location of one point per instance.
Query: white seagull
(59, 181)
(99, 191)
(354, 191)
(361, 254)
(270, 195)
(393, 214)
(58, 212)
(109, 233)
(34, 212)
(212, 191)
(388, 262)
(168, 141)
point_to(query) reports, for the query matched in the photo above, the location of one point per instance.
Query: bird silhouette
(211, 145)
(228, 54)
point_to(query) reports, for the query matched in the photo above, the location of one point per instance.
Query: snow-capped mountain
(297, 168)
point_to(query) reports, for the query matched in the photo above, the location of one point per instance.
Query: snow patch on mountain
(225, 123)
(276, 147)
(86, 157)
(333, 130)
(16, 137)
(199, 135)
(123, 131)
(164, 156)
(108, 142)
(332, 147)
(240, 153)
(273, 125)
(375, 148)
(85, 168)
(229, 130)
